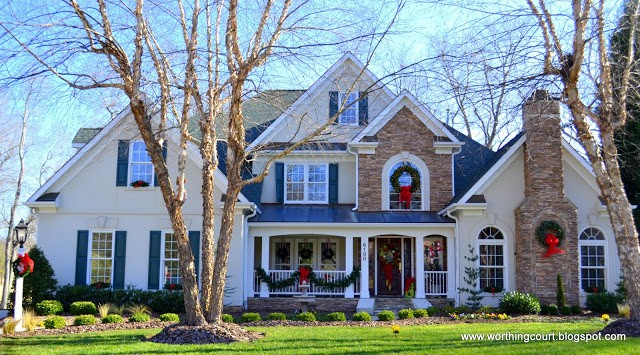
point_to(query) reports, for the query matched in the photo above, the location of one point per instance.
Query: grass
(439, 339)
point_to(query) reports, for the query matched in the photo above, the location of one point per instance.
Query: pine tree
(560, 299)
(471, 279)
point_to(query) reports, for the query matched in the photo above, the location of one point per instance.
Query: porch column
(264, 259)
(451, 268)
(420, 267)
(364, 268)
(348, 264)
(250, 271)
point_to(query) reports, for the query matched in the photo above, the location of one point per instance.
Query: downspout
(357, 177)
(252, 211)
(456, 239)
(453, 171)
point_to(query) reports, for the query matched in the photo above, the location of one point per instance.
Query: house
(388, 201)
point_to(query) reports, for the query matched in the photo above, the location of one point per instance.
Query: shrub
(112, 318)
(420, 313)
(519, 303)
(306, 317)
(361, 317)
(463, 309)
(560, 298)
(250, 317)
(386, 316)
(139, 318)
(575, 310)
(169, 317)
(488, 309)
(277, 316)
(85, 319)
(433, 311)
(54, 322)
(227, 318)
(41, 284)
(49, 308)
(83, 307)
(103, 309)
(553, 310)
(603, 302)
(138, 309)
(544, 310)
(405, 313)
(565, 310)
(336, 317)
(29, 320)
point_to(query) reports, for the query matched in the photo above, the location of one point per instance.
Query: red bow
(405, 196)
(552, 242)
(25, 266)
(304, 274)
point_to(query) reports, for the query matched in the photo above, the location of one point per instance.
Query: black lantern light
(21, 233)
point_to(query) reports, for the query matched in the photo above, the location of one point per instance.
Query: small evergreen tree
(473, 274)
(41, 284)
(560, 299)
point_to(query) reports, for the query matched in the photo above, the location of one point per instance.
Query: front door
(389, 266)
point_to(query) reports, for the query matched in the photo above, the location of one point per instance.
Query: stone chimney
(545, 200)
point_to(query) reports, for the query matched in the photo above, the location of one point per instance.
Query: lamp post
(21, 238)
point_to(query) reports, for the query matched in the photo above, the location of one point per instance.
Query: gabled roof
(313, 90)
(406, 99)
(85, 134)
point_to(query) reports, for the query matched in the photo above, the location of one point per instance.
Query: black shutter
(333, 183)
(363, 109)
(119, 260)
(123, 163)
(153, 282)
(333, 105)
(164, 156)
(82, 250)
(280, 182)
(194, 240)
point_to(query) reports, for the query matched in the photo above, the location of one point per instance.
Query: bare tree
(598, 107)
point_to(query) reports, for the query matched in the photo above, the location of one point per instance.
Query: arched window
(491, 249)
(592, 259)
(405, 183)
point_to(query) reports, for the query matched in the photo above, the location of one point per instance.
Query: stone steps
(391, 304)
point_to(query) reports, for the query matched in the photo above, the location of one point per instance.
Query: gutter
(456, 239)
(357, 176)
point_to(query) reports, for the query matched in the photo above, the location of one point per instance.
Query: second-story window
(140, 166)
(306, 183)
(350, 114)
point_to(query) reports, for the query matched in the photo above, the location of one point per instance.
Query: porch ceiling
(342, 214)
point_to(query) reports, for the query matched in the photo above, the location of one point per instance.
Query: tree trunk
(208, 153)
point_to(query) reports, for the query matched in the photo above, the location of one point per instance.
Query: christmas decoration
(390, 259)
(304, 275)
(23, 266)
(547, 227)
(405, 196)
(319, 282)
(413, 172)
(139, 183)
(552, 242)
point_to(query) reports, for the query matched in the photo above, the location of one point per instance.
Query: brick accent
(545, 200)
(264, 306)
(403, 133)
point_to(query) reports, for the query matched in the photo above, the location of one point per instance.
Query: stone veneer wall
(545, 200)
(289, 304)
(403, 133)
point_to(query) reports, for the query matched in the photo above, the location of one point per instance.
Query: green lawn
(437, 339)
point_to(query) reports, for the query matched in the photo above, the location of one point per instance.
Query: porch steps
(391, 304)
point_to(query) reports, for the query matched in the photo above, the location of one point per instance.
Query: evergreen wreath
(328, 253)
(406, 168)
(263, 276)
(545, 227)
(282, 253)
(306, 253)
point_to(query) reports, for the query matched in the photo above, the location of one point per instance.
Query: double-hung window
(171, 260)
(350, 114)
(101, 257)
(306, 183)
(491, 247)
(592, 259)
(140, 166)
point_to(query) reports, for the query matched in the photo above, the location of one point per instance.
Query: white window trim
(162, 258)
(129, 170)
(342, 99)
(305, 182)
(505, 253)
(424, 183)
(317, 251)
(89, 254)
(602, 243)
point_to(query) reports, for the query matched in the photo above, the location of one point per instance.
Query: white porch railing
(435, 283)
(330, 276)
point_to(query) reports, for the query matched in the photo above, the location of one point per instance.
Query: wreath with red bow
(23, 265)
(413, 172)
(549, 227)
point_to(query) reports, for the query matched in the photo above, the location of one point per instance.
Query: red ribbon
(405, 196)
(26, 264)
(388, 274)
(304, 274)
(552, 243)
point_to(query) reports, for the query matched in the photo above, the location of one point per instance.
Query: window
(491, 248)
(305, 254)
(306, 183)
(101, 262)
(405, 200)
(283, 255)
(140, 166)
(350, 114)
(592, 259)
(171, 260)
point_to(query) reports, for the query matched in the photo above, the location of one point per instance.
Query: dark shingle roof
(48, 197)
(341, 214)
(84, 135)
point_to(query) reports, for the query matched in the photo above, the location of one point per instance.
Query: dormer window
(350, 114)
(140, 164)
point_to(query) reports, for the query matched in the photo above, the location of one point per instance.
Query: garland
(274, 285)
(406, 168)
(545, 227)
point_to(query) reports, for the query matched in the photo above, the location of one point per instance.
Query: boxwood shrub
(406, 313)
(306, 317)
(519, 303)
(434, 311)
(420, 313)
(277, 316)
(85, 319)
(83, 307)
(112, 318)
(386, 316)
(227, 318)
(575, 310)
(139, 318)
(565, 310)
(49, 308)
(552, 310)
(169, 317)
(250, 317)
(361, 317)
(54, 322)
(336, 317)
(603, 302)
